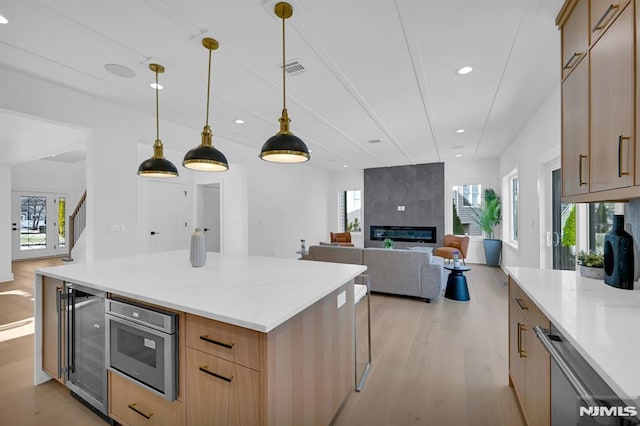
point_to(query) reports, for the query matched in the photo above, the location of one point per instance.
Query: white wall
(51, 176)
(338, 183)
(5, 222)
(461, 171)
(112, 160)
(535, 145)
(287, 203)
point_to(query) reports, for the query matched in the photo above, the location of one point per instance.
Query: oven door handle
(576, 384)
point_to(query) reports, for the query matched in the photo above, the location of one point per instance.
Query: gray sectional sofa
(395, 271)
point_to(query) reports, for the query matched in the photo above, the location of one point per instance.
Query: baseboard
(6, 278)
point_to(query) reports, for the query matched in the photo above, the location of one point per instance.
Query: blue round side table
(457, 283)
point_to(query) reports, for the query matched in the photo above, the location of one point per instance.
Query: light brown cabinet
(53, 326)
(598, 121)
(612, 103)
(220, 392)
(130, 404)
(575, 132)
(529, 362)
(575, 37)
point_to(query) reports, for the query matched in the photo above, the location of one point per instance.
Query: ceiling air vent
(374, 141)
(294, 68)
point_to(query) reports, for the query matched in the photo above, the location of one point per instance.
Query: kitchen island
(601, 322)
(299, 317)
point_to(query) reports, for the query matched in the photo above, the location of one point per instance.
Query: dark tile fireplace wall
(419, 188)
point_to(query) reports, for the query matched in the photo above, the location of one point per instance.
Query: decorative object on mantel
(284, 147)
(618, 256)
(388, 243)
(591, 265)
(157, 165)
(198, 254)
(303, 247)
(489, 216)
(205, 157)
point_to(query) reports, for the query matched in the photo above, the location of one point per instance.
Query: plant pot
(595, 273)
(492, 251)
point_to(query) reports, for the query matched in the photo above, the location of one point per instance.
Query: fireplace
(413, 234)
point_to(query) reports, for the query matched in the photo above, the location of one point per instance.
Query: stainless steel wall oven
(142, 345)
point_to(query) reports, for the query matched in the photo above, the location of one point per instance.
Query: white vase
(198, 255)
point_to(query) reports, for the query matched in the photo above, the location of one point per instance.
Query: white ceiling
(375, 69)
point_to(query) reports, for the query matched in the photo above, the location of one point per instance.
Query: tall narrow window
(511, 208)
(514, 208)
(351, 211)
(62, 211)
(467, 200)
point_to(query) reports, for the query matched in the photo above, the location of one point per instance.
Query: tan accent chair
(342, 238)
(450, 245)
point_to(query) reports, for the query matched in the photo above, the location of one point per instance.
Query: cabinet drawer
(133, 405)
(220, 392)
(230, 342)
(603, 13)
(575, 37)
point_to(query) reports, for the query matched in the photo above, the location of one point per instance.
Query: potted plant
(388, 243)
(488, 217)
(591, 265)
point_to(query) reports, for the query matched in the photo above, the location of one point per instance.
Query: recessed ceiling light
(464, 70)
(345, 165)
(153, 86)
(460, 131)
(120, 70)
(3, 20)
(458, 155)
(238, 121)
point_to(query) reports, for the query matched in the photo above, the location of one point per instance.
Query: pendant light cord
(157, 110)
(284, 84)
(208, 88)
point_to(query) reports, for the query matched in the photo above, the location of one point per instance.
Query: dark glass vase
(618, 256)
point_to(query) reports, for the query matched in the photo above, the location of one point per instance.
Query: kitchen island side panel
(309, 362)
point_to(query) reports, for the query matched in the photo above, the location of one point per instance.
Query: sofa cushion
(336, 254)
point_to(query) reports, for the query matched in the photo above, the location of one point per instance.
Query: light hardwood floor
(443, 363)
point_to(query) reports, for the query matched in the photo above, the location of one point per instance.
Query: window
(471, 195)
(511, 208)
(351, 211)
(467, 200)
(600, 221)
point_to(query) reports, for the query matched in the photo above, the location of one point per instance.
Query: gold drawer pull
(621, 138)
(146, 416)
(601, 22)
(521, 351)
(580, 158)
(569, 63)
(208, 339)
(204, 369)
(521, 304)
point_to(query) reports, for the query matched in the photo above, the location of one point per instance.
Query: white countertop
(602, 322)
(255, 292)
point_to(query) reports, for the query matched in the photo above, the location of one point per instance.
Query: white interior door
(166, 216)
(209, 218)
(38, 224)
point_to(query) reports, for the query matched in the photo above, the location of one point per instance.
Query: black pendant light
(157, 165)
(205, 157)
(284, 147)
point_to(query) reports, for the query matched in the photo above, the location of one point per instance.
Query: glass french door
(38, 225)
(562, 238)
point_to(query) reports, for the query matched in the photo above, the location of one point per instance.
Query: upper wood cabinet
(612, 106)
(603, 13)
(599, 158)
(575, 131)
(575, 37)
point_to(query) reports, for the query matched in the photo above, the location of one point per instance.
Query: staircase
(77, 224)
